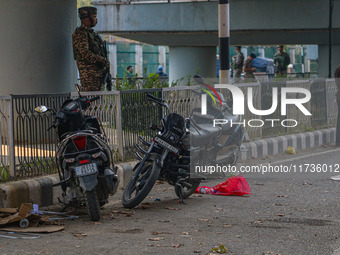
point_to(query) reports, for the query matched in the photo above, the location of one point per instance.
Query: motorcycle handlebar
(94, 98)
(154, 98)
(54, 125)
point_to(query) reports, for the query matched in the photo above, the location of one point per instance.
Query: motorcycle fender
(88, 182)
(111, 180)
(156, 158)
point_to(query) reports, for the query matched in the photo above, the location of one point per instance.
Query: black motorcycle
(84, 159)
(170, 154)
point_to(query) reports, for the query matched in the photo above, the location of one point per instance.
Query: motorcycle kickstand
(180, 192)
(63, 205)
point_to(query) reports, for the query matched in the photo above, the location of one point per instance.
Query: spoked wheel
(189, 187)
(138, 188)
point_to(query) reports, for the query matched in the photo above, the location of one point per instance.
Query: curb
(38, 191)
(41, 191)
(278, 145)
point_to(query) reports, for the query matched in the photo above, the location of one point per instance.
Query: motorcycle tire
(144, 182)
(189, 188)
(92, 205)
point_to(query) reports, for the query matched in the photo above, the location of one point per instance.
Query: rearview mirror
(78, 88)
(41, 109)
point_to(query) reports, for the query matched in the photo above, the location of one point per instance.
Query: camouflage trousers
(237, 75)
(91, 79)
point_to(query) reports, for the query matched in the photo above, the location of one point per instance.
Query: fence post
(259, 97)
(119, 125)
(327, 102)
(11, 144)
(161, 112)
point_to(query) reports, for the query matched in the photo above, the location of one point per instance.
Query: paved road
(287, 213)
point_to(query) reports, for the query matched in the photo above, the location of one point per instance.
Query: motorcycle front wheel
(92, 205)
(138, 188)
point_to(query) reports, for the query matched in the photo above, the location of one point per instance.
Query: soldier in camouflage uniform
(89, 51)
(281, 61)
(249, 69)
(237, 64)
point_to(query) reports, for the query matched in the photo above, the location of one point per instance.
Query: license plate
(87, 169)
(166, 145)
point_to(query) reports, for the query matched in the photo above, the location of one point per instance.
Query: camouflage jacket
(282, 61)
(238, 60)
(248, 65)
(89, 48)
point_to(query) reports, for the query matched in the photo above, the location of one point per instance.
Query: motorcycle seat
(227, 128)
(203, 134)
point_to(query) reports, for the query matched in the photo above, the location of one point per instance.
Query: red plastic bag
(235, 185)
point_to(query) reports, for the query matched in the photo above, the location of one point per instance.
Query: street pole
(331, 4)
(224, 41)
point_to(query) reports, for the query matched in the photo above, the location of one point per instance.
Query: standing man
(129, 74)
(89, 51)
(161, 73)
(248, 68)
(237, 64)
(337, 82)
(281, 61)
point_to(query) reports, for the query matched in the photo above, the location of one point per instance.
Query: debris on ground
(156, 239)
(41, 229)
(11, 215)
(125, 212)
(29, 219)
(12, 235)
(221, 249)
(80, 235)
(234, 185)
(172, 208)
(290, 150)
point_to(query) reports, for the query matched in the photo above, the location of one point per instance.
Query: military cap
(85, 12)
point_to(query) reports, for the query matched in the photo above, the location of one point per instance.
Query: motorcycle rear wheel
(92, 204)
(189, 188)
(137, 189)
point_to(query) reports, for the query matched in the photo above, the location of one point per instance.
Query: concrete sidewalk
(41, 191)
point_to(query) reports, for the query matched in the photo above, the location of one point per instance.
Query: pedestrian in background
(89, 51)
(281, 61)
(237, 64)
(337, 81)
(129, 75)
(248, 68)
(160, 72)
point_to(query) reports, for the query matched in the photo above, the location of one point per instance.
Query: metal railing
(27, 149)
(137, 115)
